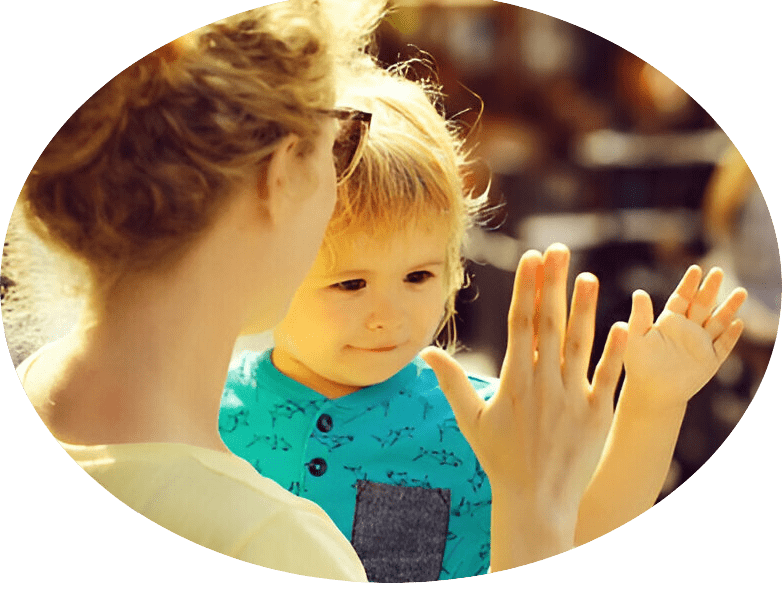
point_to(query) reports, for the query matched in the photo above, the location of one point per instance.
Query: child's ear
(280, 182)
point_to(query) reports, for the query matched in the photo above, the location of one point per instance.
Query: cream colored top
(219, 501)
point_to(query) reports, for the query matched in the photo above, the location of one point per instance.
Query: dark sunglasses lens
(346, 146)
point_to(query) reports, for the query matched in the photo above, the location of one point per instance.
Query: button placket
(317, 464)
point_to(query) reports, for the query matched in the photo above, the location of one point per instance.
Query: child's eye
(350, 285)
(418, 277)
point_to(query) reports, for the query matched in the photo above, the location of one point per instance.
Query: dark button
(317, 466)
(325, 423)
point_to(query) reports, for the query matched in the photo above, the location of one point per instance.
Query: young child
(344, 412)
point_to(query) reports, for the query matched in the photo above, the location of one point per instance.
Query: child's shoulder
(485, 386)
(248, 364)
(248, 373)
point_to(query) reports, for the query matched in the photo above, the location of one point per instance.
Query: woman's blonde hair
(414, 167)
(143, 167)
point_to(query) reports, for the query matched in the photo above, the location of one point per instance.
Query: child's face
(360, 321)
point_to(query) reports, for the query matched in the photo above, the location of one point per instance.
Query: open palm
(672, 358)
(543, 431)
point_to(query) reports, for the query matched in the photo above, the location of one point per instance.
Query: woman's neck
(148, 360)
(146, 363)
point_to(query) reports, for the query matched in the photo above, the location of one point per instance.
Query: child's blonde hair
(414, 167)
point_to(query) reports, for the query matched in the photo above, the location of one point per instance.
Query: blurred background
(590, 146)
(584, 144)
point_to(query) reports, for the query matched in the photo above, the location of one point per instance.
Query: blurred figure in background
(740, 235)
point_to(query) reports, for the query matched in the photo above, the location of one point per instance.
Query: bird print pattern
(400, 434)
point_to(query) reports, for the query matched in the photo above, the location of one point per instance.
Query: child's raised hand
(669, 360)
(541, 435)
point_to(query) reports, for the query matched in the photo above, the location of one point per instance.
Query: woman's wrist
(527, 528)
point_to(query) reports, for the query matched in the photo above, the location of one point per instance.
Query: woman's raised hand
(540, 437)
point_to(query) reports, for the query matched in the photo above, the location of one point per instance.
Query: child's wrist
(641, 397)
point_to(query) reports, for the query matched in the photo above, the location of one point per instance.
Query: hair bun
(86, 131)
(143, 82)
(147, 162)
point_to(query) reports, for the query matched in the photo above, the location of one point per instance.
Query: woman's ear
(281, 180)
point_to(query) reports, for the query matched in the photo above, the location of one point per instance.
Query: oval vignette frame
(61, 526)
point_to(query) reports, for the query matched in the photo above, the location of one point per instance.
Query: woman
(198, 178)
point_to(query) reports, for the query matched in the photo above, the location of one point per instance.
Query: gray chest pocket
(399, 532)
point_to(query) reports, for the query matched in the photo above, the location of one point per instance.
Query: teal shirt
(387, 463)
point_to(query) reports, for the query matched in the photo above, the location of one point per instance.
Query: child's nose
(385, 315)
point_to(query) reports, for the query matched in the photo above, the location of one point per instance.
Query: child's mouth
(380, 349)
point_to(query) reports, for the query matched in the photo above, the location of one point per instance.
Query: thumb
(466, 404)
(641, 315)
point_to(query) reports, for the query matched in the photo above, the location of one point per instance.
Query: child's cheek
(339, 320)
(433, 315)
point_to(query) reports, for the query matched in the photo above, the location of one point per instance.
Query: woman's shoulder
(24, 367)
(35, 372)
(282, 531)
(219, 501)
(138, 473)
(305, 544)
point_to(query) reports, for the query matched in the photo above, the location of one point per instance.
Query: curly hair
(143, 167)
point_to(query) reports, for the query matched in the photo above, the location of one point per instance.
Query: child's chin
(376, 375)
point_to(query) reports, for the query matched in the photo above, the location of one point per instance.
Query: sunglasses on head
(353, 132)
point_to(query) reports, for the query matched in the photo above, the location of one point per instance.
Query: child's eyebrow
(333, 273)
(350, 273)
(429, 264)
(361, 273)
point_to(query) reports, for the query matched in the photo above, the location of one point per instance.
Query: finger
(553, 307)
(521, 339)
(538, 290)
(680, 300)
(724, 314)
(466, 404)
(580, 329)
(703, 303)
(609, 368)
(724, 344)
(641, 315)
